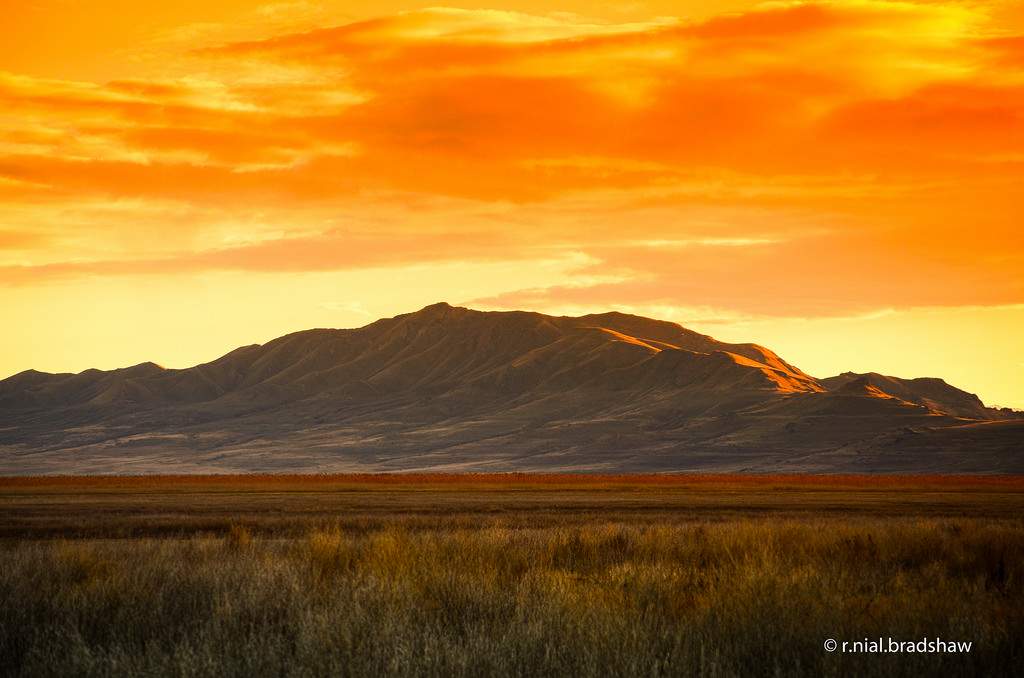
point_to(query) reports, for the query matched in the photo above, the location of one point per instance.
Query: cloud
(476, 95)
(20, 240)
(795, 157)
(815, 276)
(332, 251)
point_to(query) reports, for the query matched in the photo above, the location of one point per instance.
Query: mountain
(449, 388)
(935, 394)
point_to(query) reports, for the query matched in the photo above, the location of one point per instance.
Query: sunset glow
(841, 181)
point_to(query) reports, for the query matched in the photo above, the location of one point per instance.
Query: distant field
(184, 505)
(528, 575)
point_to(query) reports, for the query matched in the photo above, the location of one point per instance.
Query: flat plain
(508, 574)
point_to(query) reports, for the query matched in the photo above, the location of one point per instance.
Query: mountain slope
(453, 388)
(935, 394)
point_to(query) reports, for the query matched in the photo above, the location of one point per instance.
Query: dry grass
(133, 507)
(506, 587)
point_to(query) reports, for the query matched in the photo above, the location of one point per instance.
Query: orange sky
(840, 181)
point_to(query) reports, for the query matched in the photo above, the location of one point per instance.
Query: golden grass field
(508, 575)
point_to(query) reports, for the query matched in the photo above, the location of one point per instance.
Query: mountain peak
(436, 307)
(436, 311)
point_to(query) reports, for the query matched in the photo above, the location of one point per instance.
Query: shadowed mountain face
(449, 388)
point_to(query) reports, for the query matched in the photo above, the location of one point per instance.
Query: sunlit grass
(718, 597)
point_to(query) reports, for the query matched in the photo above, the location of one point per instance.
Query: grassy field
(508, 575)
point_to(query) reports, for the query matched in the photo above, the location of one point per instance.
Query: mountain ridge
(448, 387)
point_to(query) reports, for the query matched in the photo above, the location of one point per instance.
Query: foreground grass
(723, 597)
